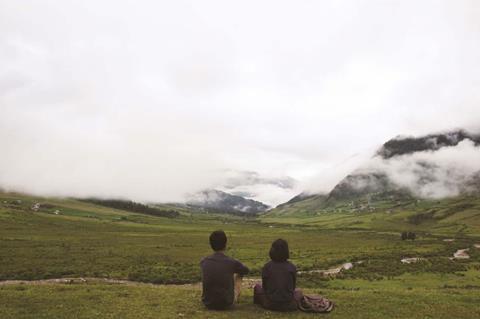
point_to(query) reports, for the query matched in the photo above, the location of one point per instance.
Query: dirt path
(82, 280)
(411, 260)
(246, 283)
(331, 271)
(461, 254)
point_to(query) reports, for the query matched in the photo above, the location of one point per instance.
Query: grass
(441, 217)
(85, 240)
(402, 298)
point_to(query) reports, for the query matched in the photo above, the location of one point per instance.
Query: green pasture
(69, 238)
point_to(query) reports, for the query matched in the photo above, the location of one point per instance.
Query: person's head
(279, 251)
(218, 240)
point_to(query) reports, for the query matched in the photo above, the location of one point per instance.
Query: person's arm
(294, 276)
(240, 268)
(201, 266)
(264, 278)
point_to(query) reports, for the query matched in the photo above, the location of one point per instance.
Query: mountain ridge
(223, 202)
(364, 186)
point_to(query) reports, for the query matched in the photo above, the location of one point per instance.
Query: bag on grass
(315, 303)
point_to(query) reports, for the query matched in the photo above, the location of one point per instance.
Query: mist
(155, 100)
(434, 174)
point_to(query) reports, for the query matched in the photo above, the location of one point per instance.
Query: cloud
(153, 100)
(271, 190)
(269, 194)
(433, 174)
(437, 173)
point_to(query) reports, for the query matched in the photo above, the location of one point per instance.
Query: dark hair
(279, 250)
(218, 240)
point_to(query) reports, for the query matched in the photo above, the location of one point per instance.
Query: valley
(147, 266)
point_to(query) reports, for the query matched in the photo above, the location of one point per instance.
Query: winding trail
(411, 260)
(331, 271)
(461, 254)
(84, 280)
(248, 282)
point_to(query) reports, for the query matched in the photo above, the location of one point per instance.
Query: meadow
(160, 256)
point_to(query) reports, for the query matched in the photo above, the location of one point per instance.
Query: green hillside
(445, 216)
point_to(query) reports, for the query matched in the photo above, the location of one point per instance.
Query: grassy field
(68, 238)
(419, 296)
(460, 216)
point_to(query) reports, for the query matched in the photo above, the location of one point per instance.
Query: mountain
(402, 171)
(271, 190)
(300, 197)
(302, 203)
(243, 178)
(432, 142)
(429, 174)
(221, 202)
(358, 184)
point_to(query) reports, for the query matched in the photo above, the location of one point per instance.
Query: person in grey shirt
(221, 275)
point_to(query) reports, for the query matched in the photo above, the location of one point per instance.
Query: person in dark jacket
(279, 276)
(221, 275)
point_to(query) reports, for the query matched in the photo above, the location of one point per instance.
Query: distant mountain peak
(303, 196)
(402, 145)
(396, 173)
(222, 202)
(357, 184)
(242, 178)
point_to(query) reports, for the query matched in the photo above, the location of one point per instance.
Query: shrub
(408, 235)
(131, 206)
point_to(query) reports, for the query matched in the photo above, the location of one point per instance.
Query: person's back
(278, 281)
(218, 273)
(279, 276)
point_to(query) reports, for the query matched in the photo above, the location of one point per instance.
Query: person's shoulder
(206, 258)
(291, 267)
(267, 267)
(268, 264)
(231, 259)
(221, 257)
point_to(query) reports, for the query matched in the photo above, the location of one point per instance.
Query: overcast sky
(151, 100)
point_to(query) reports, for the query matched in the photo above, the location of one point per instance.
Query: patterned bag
(315, 303)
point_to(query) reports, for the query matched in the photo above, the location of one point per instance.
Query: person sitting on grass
(277, 291)
(221, 275)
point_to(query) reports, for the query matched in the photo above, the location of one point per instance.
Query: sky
(153, 100)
